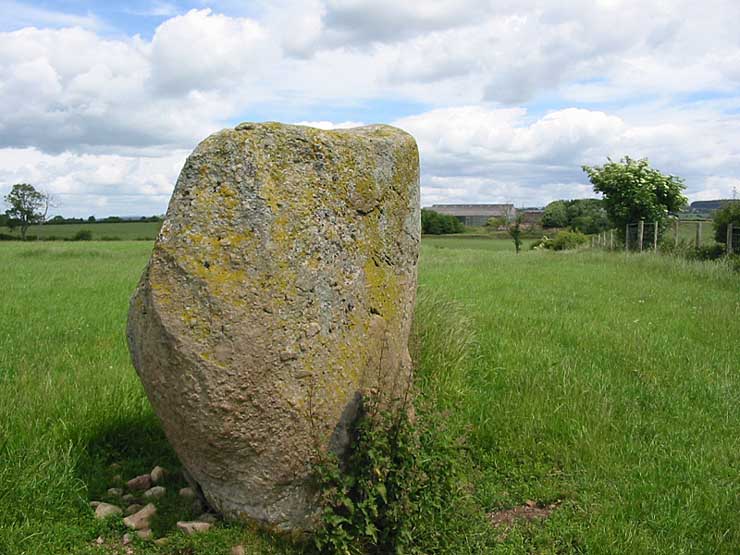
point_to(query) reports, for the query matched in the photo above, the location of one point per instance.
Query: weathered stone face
(281, 288)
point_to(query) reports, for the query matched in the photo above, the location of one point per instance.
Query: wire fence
(733, 239)
(647, 236)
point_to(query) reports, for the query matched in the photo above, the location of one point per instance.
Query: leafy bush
(729, 213)
(564, 240)
(709, 252)
(83, 235)
(434, 223)
(734, 261)
(584, 215)
(396, 489)
(634, 191)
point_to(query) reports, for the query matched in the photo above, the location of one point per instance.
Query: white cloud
(81, 95)
(85, 184)
(15, 15)
(478, 154)
(331, 125)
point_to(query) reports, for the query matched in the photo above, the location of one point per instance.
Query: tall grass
(604, 383)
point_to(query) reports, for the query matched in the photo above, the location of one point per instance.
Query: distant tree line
(434, 223)
(28, 206)
(60, 220)
(584, 215)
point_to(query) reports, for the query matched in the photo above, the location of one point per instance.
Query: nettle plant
(391, 493)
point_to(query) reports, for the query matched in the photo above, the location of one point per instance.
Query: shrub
(734, 261)
(83, 235)
(729, 213)
(399, 489)
(709, 252)
(564, 240)
(434, 223)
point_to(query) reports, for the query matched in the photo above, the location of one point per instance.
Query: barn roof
(473, 209)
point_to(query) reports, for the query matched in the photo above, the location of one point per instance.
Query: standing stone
(280, 289)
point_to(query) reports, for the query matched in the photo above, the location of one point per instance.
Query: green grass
(132, 231)
(606, 383)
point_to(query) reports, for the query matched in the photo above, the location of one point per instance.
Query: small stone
(157, 474)
(140, 519)
(115, 492)
(117, 479)
(208, 517)
(127, 538)
(291, 353)
(128, 498)
(100, 540)
(144, 534)
(155, 493)
(140, 483)
(94, 504)
(245, 126)
(131, 509)
(237, 550)
(313, 329)
(193, 527)
(104, 510)
(162, 541)
(115, 466)
(187, 493)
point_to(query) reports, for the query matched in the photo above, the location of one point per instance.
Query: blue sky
(100, 102)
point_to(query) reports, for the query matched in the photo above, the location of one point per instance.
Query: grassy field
(133, 231)
(603, 384)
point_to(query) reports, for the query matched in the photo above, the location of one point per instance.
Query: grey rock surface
(140, 519)
(104, 510)
(193, 527)
(140, 483)
(155, 493)
(280, 289)
(157, 474)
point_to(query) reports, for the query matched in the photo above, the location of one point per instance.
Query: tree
(634, 191)
(434, 223)
(555, 214)
(27, 206)
(496, 222)
(728, 214)
(587, 215)
(515, 230)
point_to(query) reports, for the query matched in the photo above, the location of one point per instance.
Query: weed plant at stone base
(404, 487)
(394, 492)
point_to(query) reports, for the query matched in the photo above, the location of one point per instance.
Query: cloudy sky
(101, 101)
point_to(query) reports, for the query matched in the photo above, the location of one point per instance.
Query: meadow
(603, 385)
(128, 231)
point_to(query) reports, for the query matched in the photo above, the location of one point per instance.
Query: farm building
(476, 214)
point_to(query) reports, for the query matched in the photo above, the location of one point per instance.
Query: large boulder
(280, 289)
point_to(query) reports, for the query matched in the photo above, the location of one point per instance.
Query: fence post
(655, 236)
(640, 233)
(729, 238)
(611, 239)
(675, 233)
(698, 234)
(627, 238)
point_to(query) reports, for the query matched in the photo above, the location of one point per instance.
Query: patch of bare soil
(505, 519)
